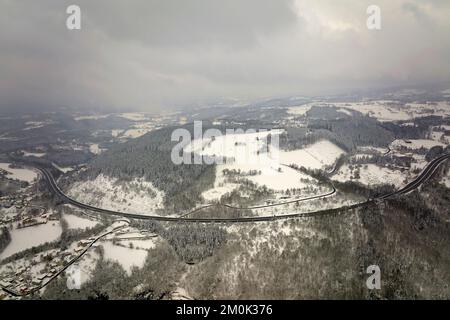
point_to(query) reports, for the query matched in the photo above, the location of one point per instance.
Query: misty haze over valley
(186, 150)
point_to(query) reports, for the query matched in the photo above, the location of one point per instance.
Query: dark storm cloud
(190, 23)
(157, 54)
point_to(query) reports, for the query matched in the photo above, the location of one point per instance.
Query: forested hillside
(323, 257)
(346, 132)
(327, 256)
(150, 157)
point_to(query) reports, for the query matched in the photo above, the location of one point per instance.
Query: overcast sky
(157, 54)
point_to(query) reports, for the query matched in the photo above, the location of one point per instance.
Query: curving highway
(222, 205)
(428, 171)
(419, 180)
(56, 190)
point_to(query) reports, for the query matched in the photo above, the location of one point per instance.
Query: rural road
(22, 294)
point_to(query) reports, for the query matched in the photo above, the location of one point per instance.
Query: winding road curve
(419, 180)
(333, 191)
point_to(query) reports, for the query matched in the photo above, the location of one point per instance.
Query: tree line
(5, 238)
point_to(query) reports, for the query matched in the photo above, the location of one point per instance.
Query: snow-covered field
(95, 149)
(127, 257)
(416, 143)
(82, 270)
(277, 178)
(36, 124)
(438, 134)
(441, 108)
(300, 110)
(372, 150)
(92, 117)
(76, 222)
(116, 132)
(346, 111)
(370, 175)
(134, 116)
(220, 188)
(33, 154)
(272, 171)
(271, 177)
(384, 110)
(144, 244)
(315, 156)
(332, 201)
(134, 133)
(245, 148)
(62, 169)
(137, 196)
(27, 175)
(25, 238)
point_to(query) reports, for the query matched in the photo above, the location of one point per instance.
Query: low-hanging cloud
(154, 54)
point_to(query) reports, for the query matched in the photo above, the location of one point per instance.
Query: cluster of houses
(32, 274)
(28, 218)
(17, 200)
(32, 216)
(22, 280)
